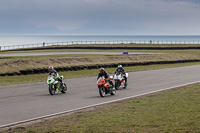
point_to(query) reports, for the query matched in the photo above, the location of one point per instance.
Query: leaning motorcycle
(105, 87)
(55, 86)
(120, 80)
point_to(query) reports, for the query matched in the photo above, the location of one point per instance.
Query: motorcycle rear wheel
(113, 91)
(64, 89)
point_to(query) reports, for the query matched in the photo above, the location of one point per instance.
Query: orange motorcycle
(105, 87)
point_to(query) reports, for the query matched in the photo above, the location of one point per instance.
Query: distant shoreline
(16, 39)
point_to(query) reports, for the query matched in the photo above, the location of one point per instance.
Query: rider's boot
(125, 81)
(61, 84)
(112, 85)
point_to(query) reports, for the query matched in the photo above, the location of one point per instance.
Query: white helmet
(120, 66)
(51, 69)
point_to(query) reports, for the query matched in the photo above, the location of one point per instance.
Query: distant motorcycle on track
(55, 86)
(105, 87)
(120, 80)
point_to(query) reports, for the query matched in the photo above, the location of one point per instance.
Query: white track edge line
(51, 115)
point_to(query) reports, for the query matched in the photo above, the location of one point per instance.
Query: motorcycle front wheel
(102, 91)
(52, 90)
(64, 89)
(117, 84)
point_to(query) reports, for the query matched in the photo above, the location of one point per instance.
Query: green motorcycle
(55, 85)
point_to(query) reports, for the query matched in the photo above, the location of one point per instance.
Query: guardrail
(45, 44)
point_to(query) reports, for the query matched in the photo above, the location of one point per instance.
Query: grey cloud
(102, 16)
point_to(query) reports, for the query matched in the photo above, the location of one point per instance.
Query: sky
(100, 17)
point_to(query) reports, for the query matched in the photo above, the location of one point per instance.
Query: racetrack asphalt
(29, 101)
(59, 53)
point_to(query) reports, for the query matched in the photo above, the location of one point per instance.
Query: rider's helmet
(51, 69)
(102, 70)
(119, 67)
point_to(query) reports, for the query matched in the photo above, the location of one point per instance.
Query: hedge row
(96, 66)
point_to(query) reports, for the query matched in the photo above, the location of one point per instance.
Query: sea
(11, 40)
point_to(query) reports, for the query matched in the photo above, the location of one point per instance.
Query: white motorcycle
(120, 80)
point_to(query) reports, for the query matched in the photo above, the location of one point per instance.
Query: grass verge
(175, 110)
(15, 64)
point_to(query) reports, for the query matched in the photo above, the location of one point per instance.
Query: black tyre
(102, 91)
(117, 84)
(52, 90)
(64, 89)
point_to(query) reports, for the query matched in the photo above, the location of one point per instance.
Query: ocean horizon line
(24, 39)
(99, 35)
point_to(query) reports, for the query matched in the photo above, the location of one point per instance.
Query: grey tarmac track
(59, 53)
(30, 101)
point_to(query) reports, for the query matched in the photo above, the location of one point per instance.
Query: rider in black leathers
(120, 70)
(102, 72)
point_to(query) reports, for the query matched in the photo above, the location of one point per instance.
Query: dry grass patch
(16, 64)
